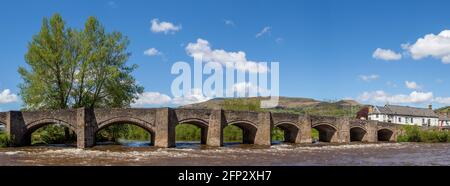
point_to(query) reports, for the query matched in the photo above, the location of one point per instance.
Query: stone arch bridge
(161, 122)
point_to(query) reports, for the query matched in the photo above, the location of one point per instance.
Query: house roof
(406, 111)
(444, 118)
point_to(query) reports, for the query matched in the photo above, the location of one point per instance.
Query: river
(186, 154)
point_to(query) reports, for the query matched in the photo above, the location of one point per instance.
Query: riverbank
(236, 154)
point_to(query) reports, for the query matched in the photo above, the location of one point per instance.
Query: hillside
(443, 110)
(286, 104)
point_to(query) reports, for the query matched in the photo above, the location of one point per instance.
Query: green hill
(286, 104)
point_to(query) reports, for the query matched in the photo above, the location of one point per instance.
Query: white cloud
(437, 46)
(202, 50)
(164, 27)
(152, 52)
(383, 97)
(369, 78)
(7, 97)
(229, 22)
(443, 100)
(263, 31)
(386, 54)
(195, 96)
(244, 88)
(152, 98)
(412, 85)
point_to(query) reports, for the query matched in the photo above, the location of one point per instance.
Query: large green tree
(70, 68)
(73, 68)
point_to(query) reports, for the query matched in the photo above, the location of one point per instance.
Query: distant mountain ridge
(286, 104)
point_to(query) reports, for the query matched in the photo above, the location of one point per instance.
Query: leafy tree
(70, 68)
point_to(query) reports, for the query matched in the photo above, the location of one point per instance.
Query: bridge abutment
(86, 128)
(17, 130)
(371, 135)
(342, 135)
(215, 128)
(264, 131)
(165, 128)
(304, 135)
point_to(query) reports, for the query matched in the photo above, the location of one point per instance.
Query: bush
(50, 134)
(277, 134)
(122, 131)
(4, 140)
(417, 134)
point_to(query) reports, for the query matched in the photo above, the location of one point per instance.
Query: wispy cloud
(415, 97)
(412, 85)
(265, 30)
(368, 78)
(380, 96)
(229, 22)
(152, 52)
(279, 40)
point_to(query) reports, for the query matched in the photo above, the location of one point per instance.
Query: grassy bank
(417, 134)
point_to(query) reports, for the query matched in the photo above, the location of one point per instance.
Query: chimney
(370, 109)
(430, 107)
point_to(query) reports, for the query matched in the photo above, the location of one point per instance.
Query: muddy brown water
(187, 154)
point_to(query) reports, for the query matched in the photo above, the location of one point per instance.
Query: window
(399, 119)
(423, 120)
(412, 120)
(376, 115)
(429, 122)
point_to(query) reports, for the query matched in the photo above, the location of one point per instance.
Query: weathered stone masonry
(161, 122)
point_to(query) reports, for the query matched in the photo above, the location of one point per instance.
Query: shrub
(4, 140)
(417, 134)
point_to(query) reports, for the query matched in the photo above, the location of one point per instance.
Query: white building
(444, 120)
(404, 115)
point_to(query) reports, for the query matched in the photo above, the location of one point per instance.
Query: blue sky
(327, 50)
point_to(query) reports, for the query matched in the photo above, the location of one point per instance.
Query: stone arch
(291, 131)
(200, 123)
(33, 126)
(248, 129)
(357, 133)
(128, 120)
(37, 124)
(385, 134)
(327, 131)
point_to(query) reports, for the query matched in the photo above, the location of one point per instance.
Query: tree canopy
(72, 68)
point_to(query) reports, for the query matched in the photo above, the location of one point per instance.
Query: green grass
(250, 104)
(417, 134)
